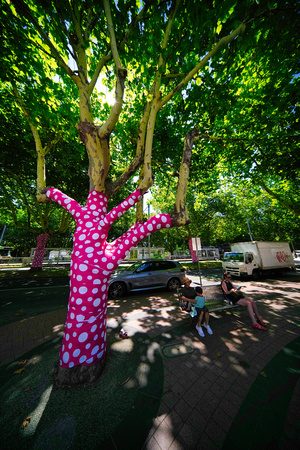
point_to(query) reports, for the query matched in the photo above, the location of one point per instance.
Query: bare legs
(206, 324)
(251, 307)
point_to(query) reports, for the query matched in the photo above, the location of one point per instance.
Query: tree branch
(224, 41)
(279, 198)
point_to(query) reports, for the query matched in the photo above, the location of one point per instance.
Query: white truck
(257, 258)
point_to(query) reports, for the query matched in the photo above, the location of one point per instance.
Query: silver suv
(147, 274)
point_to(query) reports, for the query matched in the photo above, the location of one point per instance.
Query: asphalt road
(21, 299)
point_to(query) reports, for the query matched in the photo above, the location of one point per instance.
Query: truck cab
(240, 264)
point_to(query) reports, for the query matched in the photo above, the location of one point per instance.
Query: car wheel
(256, 275)
(173, 284)
(117, 289)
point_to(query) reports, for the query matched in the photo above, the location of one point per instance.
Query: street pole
(196, 239)
(3, 231)
(250, 234)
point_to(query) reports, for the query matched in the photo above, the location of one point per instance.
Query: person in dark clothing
(188, 292)
(237, 297)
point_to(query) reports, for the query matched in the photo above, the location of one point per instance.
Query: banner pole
(196, 240)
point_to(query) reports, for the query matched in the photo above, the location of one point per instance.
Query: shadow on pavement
(120, 408)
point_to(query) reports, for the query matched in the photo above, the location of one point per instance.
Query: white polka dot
(80, 318)
(150, 227)
(72, 315)
(74, 334)
(89, 224)
(82, 237)
(94, 328)
(93, 207)
(82, 290)
(110, 265)
(100, 354)
(89, 361)
(82, 359)
(96, 281)
(96, 302)
(83, 267)
(95, 271)
(95, 349)
(164, 219)
(67, 336)
(83, 337)
(66, 357)
(71, 365)
(158, 227)
(79, 278)
(89, 249)
(96, 337)
(87, 346)
(95, 236)
(76, 353)
(94, 291)
(92, 319)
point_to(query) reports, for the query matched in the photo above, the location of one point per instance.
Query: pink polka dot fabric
(92, 262)
(41, 242)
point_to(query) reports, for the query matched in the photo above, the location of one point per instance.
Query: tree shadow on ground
(119, 408)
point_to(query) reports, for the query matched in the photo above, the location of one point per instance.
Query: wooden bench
(215, 299)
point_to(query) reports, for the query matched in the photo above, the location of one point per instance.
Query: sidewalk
(164, 386)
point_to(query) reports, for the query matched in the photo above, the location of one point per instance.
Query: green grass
(53, 272)
(47, 272)
(203, 265)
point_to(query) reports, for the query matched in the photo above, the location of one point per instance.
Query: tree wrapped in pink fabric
(92, 262)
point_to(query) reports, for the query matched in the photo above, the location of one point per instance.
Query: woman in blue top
(199, 304)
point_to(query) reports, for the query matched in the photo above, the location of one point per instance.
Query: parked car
(147, 274)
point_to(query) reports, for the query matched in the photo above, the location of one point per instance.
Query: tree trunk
(92, 262)
(41, 241)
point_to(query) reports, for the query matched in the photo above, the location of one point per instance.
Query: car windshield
(132, 267)
(234, 257)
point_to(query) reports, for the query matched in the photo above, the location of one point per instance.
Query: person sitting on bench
(187, 293)
(237, 297)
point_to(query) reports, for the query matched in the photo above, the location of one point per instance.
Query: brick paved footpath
(203, 389)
